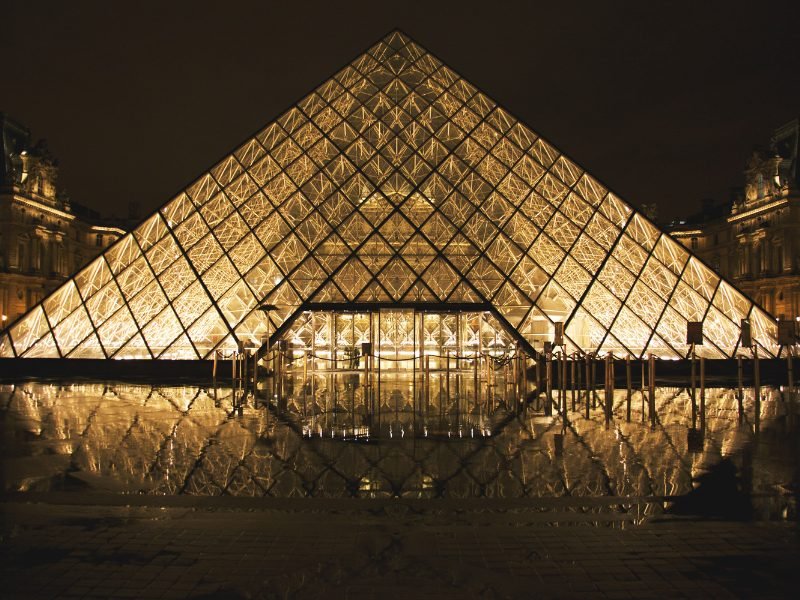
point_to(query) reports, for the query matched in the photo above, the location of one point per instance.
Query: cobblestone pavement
(56, 546)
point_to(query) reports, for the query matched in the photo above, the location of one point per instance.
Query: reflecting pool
(142, 439)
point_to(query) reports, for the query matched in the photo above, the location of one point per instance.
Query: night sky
(661, 101)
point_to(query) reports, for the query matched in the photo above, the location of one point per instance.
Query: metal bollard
(628, 383)
(652, 391)
(548, 398)
(609, 387)
(694, 390)
(757, 389)
(702, 393)
(740, 390)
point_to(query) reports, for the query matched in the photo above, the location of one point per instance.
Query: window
(694, 243)
(99, 240)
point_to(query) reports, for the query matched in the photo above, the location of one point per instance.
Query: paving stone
(309, 553)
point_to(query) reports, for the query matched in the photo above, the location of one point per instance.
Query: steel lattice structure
(395, 182)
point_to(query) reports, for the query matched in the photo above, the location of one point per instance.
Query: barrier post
(628, 384)
(702, 393)
(652, 390)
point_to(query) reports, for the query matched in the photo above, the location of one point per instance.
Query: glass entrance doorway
(396, 372)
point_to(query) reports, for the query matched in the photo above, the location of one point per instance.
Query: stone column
(747, 268)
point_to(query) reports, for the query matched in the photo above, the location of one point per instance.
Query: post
(447, 374)
(525, 363)
(740, 391)
(548, 398)
(557, 359)
(489, 400)
(559, 369)
(588, 384)
(594, 382)
(628, 383)
(243, 380)
(702, 393)
(277, 369)
(428, 384)
(609, 386)
(280, 374)
(572, 381)
(563, 380)
(790, 390)
(379, 389)
(245, 374)
(255, 376)
(234, 358)
(644, 396)
(423, 383)
(505, 381)
(273, 385)
(522, 363)
(370, 391)
(515, 378)
(652, 390)
(304, 380)
(214, 368)
(757, 389)
(693, 383)
(475, 383)
(312, 383)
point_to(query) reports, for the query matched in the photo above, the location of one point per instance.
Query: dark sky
(662, 101)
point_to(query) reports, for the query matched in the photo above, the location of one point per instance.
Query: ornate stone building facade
(43, 238)
(755, 240)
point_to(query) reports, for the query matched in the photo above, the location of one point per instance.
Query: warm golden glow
(44, 208)
(396, 181)
(101, 228)
(758, 210)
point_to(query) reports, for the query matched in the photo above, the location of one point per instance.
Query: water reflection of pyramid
(396, 181)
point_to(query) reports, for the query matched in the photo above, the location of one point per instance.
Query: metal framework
(396, 181)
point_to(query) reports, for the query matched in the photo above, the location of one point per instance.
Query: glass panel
(73, 330)
(29, 329)
(394, 181)
(61, 303)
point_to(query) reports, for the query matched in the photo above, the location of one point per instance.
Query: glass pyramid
(396, 182)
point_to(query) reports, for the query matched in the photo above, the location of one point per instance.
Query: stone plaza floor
(61, 545)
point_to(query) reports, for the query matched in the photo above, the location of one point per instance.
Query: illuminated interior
(395, 182)
(406, 367)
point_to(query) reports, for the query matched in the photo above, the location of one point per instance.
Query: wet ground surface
(133, 439)
(384, 549)
(129, 491)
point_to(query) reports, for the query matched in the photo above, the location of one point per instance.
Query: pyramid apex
(396, 38)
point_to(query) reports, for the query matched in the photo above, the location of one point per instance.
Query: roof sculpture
(395, 181)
